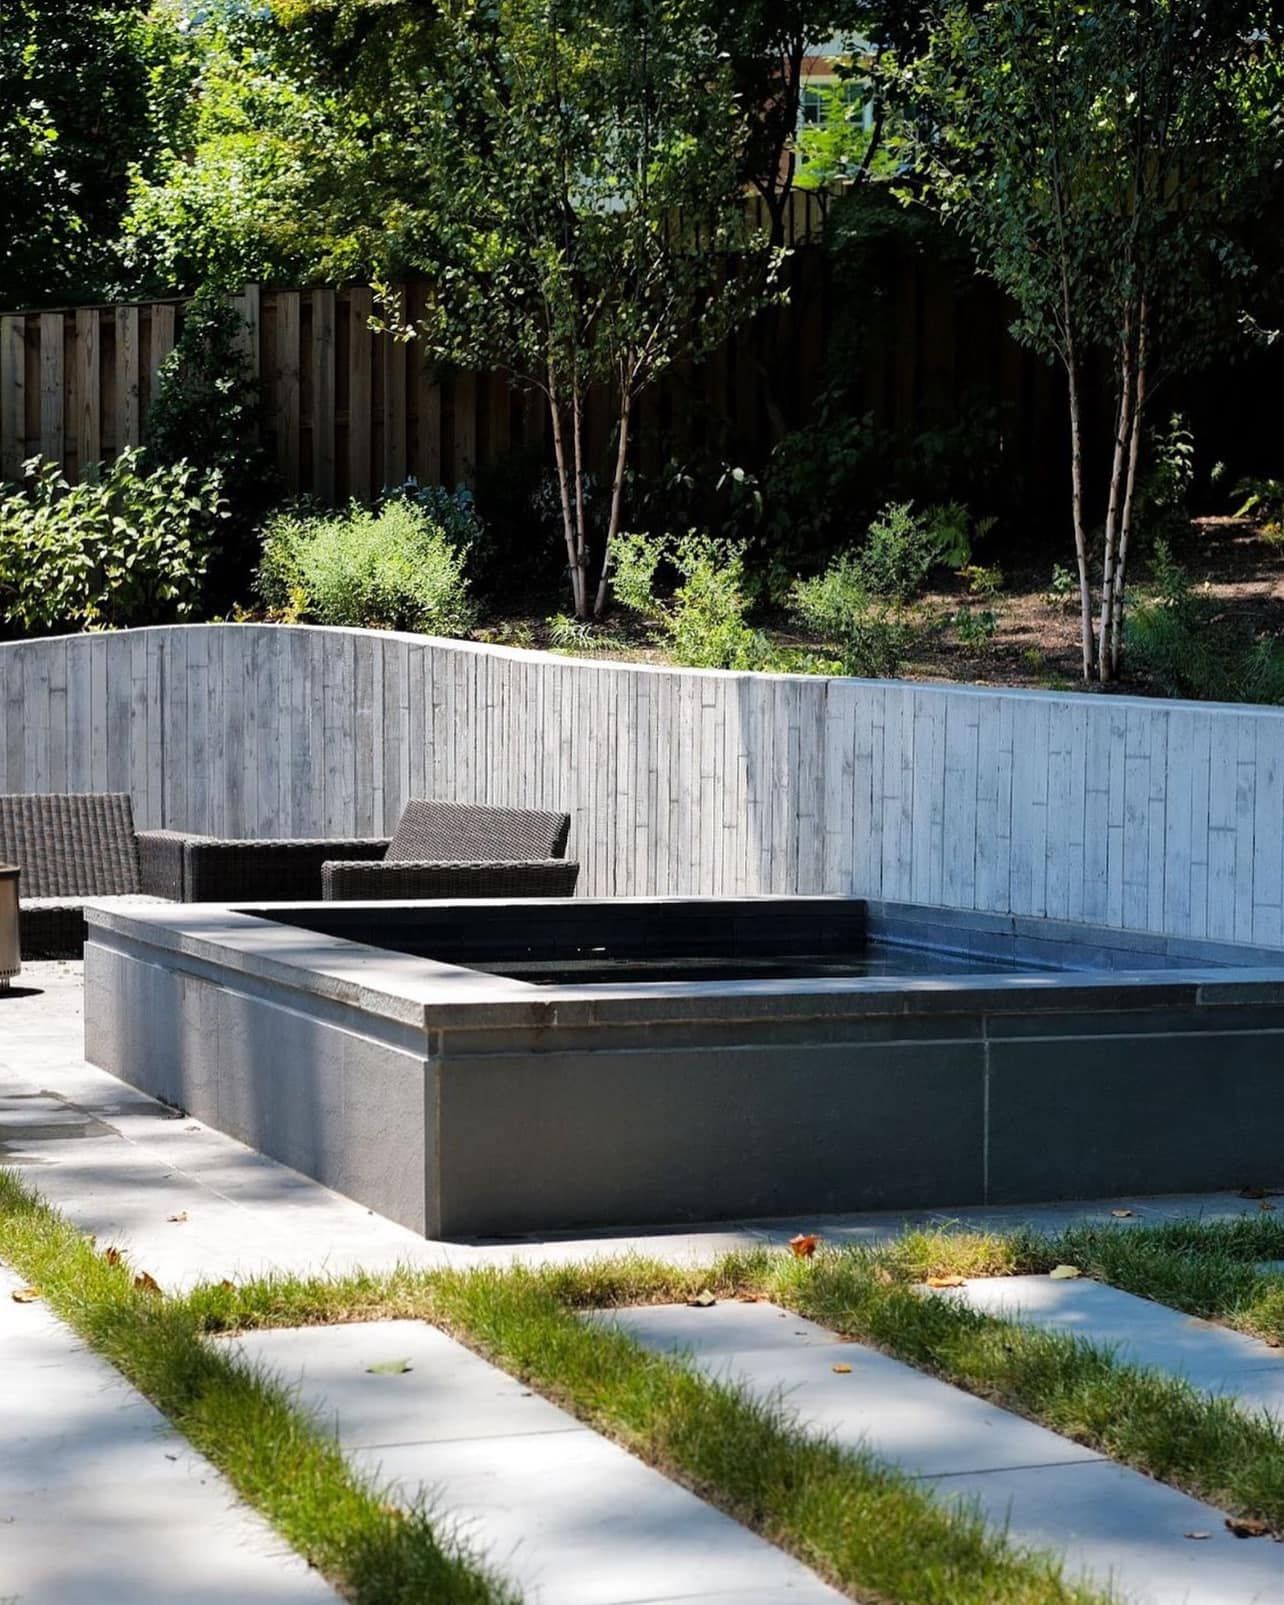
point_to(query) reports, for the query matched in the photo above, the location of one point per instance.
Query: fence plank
(88, 391)
(323, 394)
(360, 304)
(128, 400)
(465, 455)
(288, 380)
(13, 396)
(247, 304)
(393, 354)
(161, 338)
(51, 386)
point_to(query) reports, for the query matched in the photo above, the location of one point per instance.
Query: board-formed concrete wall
(1161, 816)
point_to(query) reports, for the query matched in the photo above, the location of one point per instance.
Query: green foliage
(1063, 589)
(1262, 499)
(1183, 641)
(395, 567)
(872, 633)
(205, 402)
(1163, 491)
(129, 548)
(862, 602)
(704, 622)
(74, 113)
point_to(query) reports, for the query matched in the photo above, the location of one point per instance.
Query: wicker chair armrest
(162, 863)
(222, 871)
(448, 879)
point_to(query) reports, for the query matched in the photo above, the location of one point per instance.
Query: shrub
(393, 567)
(872, 635)
(131, 547)
(862, 600)
(704, 620)
(1182, 642)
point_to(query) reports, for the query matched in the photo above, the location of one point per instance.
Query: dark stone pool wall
(465, 1104)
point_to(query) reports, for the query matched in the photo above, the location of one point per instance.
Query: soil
(1036, 643)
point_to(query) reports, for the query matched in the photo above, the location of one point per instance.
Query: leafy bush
(872, 634)
(862, 600)
(394, 567)
(1264, 498)
(1163, 493)
(131, 547)
(704, 619)
(1184, 643)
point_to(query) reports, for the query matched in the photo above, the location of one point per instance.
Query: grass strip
(272, 1453)
(1209, 1269)
(858, 1522)
(1158, 1424)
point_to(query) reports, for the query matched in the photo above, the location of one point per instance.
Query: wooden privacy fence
(347, 411)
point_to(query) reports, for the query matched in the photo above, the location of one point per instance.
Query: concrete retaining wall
(1160, 816)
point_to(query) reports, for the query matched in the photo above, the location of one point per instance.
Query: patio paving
(522, 1478)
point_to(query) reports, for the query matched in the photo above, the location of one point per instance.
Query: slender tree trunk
(1125, 522)
(581, 522)
(617, 493)
(578, 587)
(1118, 474)
(1076, 502)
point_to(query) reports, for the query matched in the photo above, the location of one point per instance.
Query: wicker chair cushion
(434, 831)
(74, 846)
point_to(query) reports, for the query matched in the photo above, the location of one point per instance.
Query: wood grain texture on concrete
(1153, 815)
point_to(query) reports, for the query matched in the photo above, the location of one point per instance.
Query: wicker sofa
(74, 847)
(439, 850)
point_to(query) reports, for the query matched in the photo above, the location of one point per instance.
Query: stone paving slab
(1110, 1523)
(568, 1516)
(1211, 1357)
(103, 1503)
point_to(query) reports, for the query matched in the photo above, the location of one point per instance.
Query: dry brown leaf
(842, 1370)
(25, 1295)
(946, 1281)
(112, 1256)
(804, 1245)
(1122, 1214)
(145, 1282)
(1064, 1273)
(750, 1298)
(1197, 1535)
(1247, 1526)
(176, 1220)
(1266, 1207)
(703, 1300)
(226, 1284)
(1273, 1341)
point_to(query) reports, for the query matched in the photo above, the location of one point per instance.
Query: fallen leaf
(750, 1298)
(1122, 1214)
(1272, 1341)
(226, 1284)
(946, 1281)
(1197, 1535)
(390, 1368)
(804, 1245)
(703, 1300)
(112, 1256)
(25, 1295)
(1266, 1207)
(1247, 1526)
(145, 1282)
(1064, 1273)
(842, 1370)
(177, 1219)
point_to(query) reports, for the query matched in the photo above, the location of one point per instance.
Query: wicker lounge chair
(446, 850)
(440, 850)
(75, 847)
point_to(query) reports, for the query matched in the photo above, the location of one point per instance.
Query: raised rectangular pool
(489, 1068)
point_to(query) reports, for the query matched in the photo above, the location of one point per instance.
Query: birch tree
(1102, 161)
